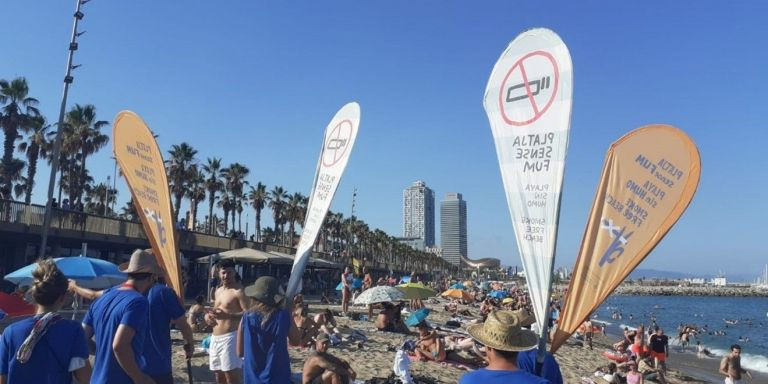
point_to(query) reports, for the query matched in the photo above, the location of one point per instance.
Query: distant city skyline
(453, 228)
(419, 213)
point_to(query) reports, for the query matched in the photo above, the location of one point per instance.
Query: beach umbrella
(357, 283)
(469, 283)
(498, 294)
(12, 306)
(458, 286)
(380, 294)
(416, 291)
(417, 317)
(457, 294)
(88, 272)
(406, 279)
(340, 287)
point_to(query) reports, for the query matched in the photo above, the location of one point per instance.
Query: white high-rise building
(453, 228)
(419, 214)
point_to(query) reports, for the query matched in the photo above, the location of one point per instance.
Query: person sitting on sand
(305, 325)
(326, 323)
(45, 348)
(196, 316)
(432, 347)
(634, 376)
(322, 367)
(645, 366)
(609, 374)
(390, 320)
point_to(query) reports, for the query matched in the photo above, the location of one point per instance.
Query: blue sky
(256, 83)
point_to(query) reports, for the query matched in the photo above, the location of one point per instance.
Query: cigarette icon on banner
(520, 91)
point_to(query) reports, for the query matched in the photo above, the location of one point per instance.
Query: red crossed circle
(332, 155)
(537, 112)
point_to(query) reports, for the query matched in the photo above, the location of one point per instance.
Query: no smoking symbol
(336, 145)
(529, 88)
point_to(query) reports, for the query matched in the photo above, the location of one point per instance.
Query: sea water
(750, 315)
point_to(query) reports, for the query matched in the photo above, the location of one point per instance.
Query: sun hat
(502, 330)
(141, 262)
(526, 319)
(266, 290)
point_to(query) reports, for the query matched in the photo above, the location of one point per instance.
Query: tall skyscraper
(419, 214)
(453, 228)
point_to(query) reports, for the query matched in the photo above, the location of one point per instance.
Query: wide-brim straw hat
(502, 330)
(141, 262)
(266, 289)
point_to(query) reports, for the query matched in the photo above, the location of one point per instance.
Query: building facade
(453, 228)
(419, 215)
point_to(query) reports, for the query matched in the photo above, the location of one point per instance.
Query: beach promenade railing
(63, 220)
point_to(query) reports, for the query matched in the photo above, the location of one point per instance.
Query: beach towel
(401, 367)
(38, 331)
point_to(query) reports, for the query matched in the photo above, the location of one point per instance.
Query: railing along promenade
(23, 218)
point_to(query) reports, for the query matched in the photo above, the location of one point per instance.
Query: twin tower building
(419, 222)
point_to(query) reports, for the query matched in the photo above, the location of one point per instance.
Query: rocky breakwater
(732, 291)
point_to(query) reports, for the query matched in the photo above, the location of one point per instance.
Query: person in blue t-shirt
(164, 309)
(264, 334)
(526, 360)
(503, 338)
(118, 323)
(45, 348)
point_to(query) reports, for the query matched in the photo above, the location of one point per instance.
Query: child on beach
(62, 353)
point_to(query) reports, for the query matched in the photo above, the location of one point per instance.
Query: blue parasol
(405, 279)
(88, 272)
(458, 286)
(417, 317)
(498, 294)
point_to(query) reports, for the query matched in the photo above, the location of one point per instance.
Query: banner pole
(544, 332)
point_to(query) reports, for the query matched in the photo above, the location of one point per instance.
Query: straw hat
(502, 330)
(526, 320)
(266, 290)
(141, 262)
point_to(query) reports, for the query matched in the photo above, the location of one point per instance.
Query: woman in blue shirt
(264, 333)
(45, 348)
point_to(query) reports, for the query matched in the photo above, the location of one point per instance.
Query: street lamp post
(57, 144)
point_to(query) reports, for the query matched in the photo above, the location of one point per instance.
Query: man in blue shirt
(503, 338)
(164, 309)
(118, 323)
(526, 360)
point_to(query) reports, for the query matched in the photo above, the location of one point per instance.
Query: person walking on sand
(346, 292)
(264, 333)
(63, 351)
(730, 366)
(659, 343)
(503, 338)
(118, 323)
(228, 307)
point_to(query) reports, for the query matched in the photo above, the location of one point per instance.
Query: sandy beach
(374, 358)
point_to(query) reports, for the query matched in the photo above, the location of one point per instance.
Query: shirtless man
(322, 367)
(346, 291)
(730, 366)
(228, 307)
(588, 332)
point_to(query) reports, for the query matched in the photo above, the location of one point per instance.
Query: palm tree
(295, 209)
(277, 197)
(98, 199)
(258, 198)
(226, 205)
(128, 211)
(214, 184)
(234, 177)
(86, 137)
(17, 112)
(180, 168)
(196, 193)
(34, 147)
